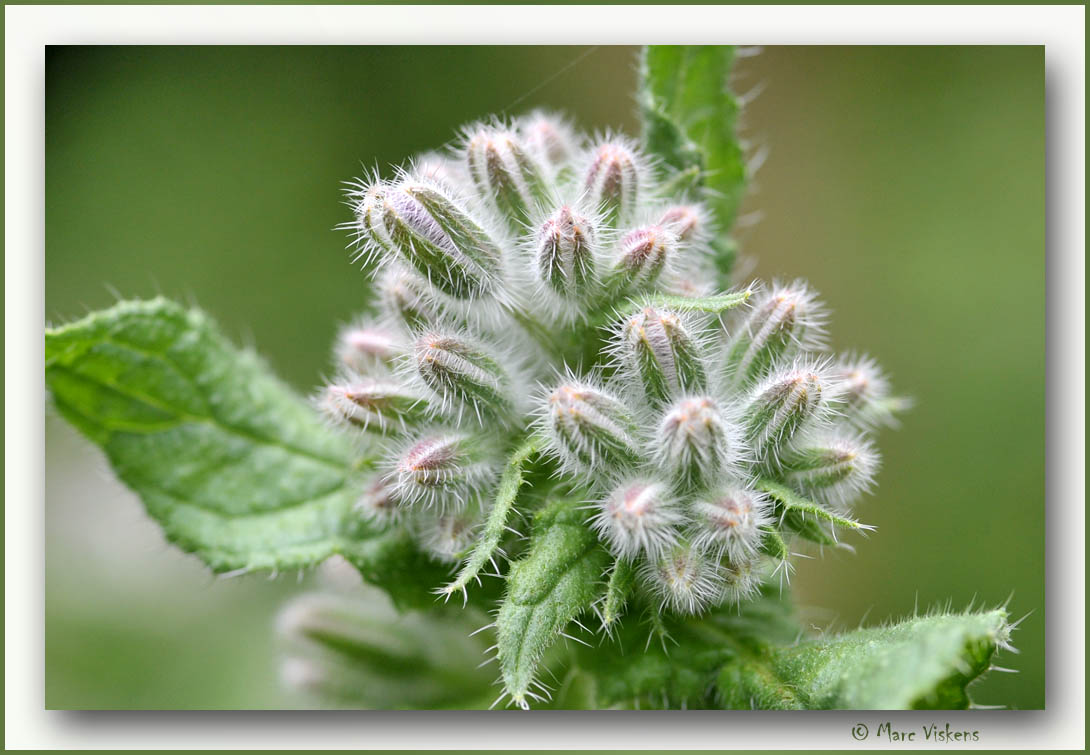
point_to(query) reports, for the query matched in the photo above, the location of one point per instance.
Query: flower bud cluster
(528, 254)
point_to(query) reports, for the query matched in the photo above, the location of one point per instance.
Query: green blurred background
(907, 184)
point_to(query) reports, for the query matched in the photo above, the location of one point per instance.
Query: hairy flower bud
(689, 222)
(695, 442)
(564, 254)
(865, 394)
(741, 578)
(448, 535)
(642, 256)
(438, 469)
(377, 502)
(550, 139)
(434, 166)
(729, 521)
(637, 517)
(784, 404)
(833, 468)
(612, 182)
(422, 223)
(685, 578)
(588, 429)
(376, 404)
(656, 348)
(406, 299)
(505, 174)
(780, 323)
(464, 373)
(365, 348)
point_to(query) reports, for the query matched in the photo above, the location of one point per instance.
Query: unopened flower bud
(564, 255)
(505, 174)
(685, 578)
(550, 139)
(365, 348)
(637, 517)
(656, 348)
(434, 166)
(689, 222)
(464, 373)
(448, 535)
(376, 404)
(642, 256)
(406, 299)
(741, 578)
(612, 182)
(695, 442)
(439, 469)
(426, 227)
(833, 468)
(377, 502)
(729, 521)
(780, 407)
(781, 322)
(865, 398)
(588, 428)
(369, 230)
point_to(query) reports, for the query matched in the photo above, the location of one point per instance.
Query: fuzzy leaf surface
(689, 120)
(923, 663)
(557, 580)
(234, 466)
(673, 662)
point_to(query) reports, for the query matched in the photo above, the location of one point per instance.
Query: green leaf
(924, 663)
(233, 465)
(559, 578)
(673, 662)
(489, 540)
(622, 580)
(689, 120)
(358, 652)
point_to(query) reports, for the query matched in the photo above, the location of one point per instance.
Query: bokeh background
(907, 184)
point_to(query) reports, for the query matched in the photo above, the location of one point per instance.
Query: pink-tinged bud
(433, 166)
(447, 536)
(784, 405)
(505, 174)
(695, 442)
(638, 517)
(440, 469)
(866, 395)
(689, 222)
(377, 502)
(833, 468)
(550, 139)
(406, 299)
(363, 349)
(589, 429)
(375, 404)
(729, 521)
(685, 578)
(565, 254)
(782, 322)
(657, 349)
(612, 182)
(464, 374)
(642, 256)
(423, 224)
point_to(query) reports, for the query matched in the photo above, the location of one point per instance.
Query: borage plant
(563, 415)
